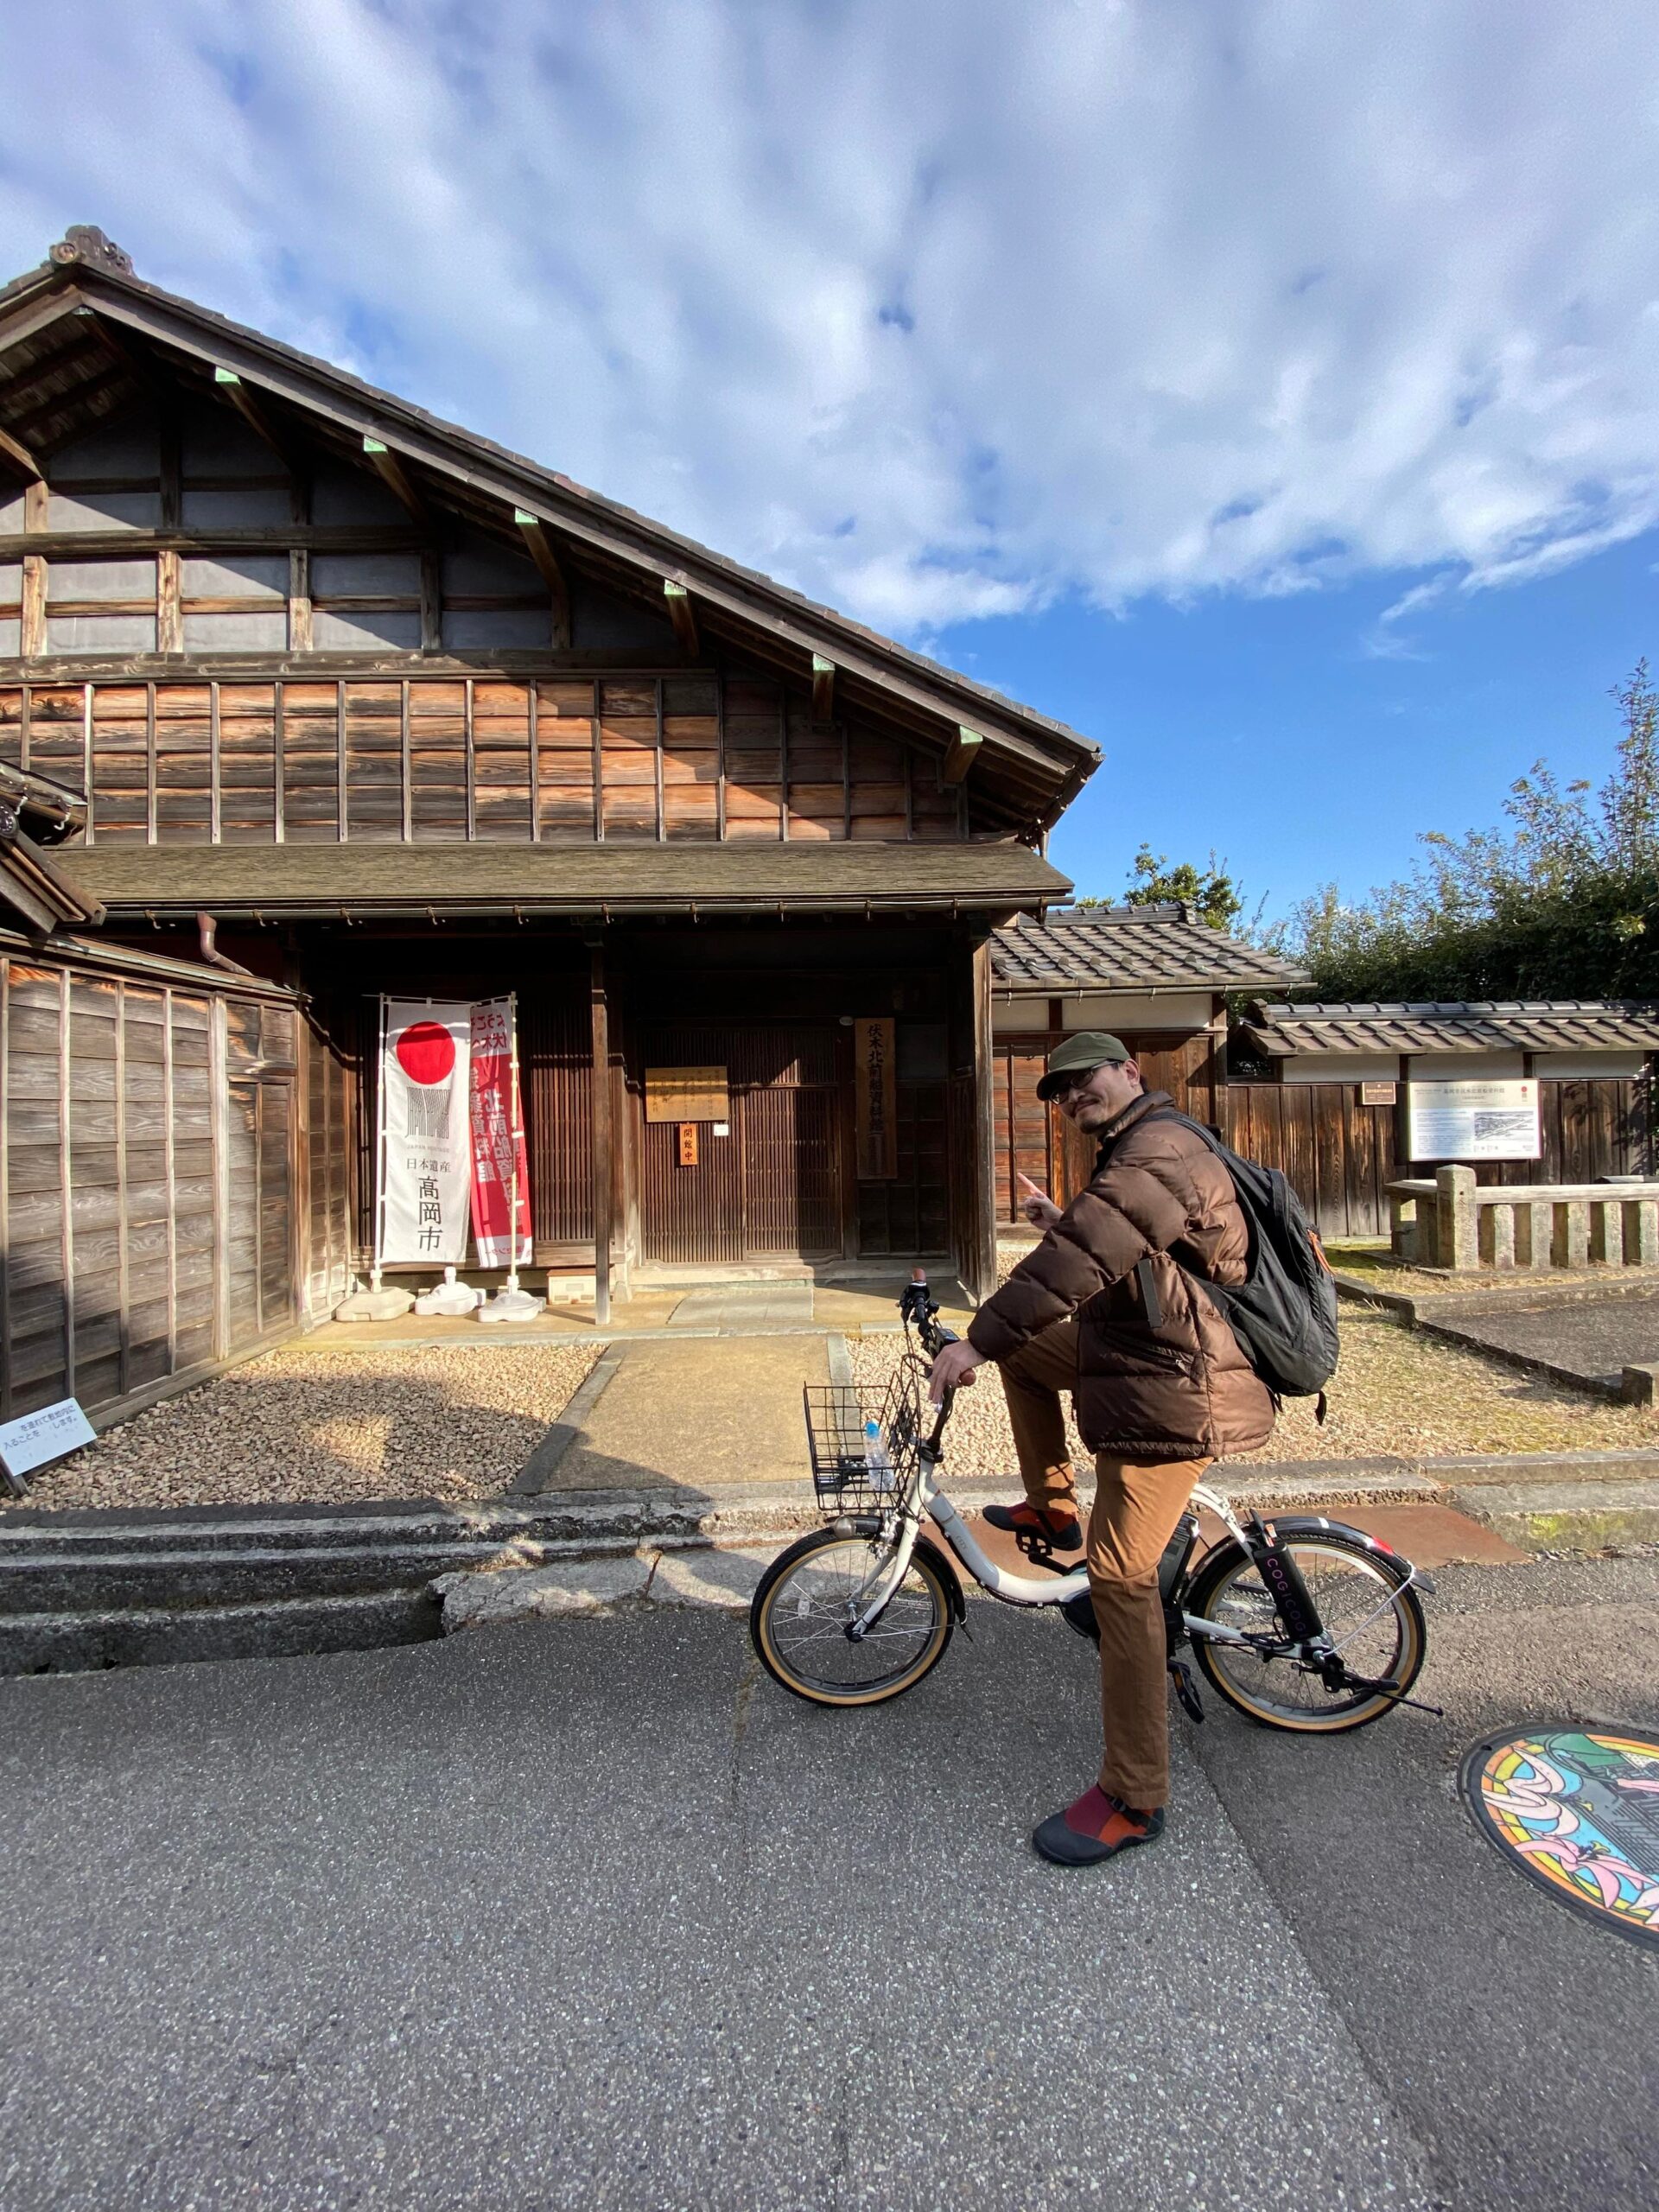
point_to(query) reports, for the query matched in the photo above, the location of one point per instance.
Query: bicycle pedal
(1186, 1690)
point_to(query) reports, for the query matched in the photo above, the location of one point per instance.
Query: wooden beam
(16, 329)
(230, 386)
(680, 614)
(431, 599)
(961, 755)
(391, 471)
(540, 548)
(19, 457)
(91, 347)
(595, 525)
(981, 1239)
(600, 1118)
(169, 612)
(824, 689)
(48, 410)
(32, 642)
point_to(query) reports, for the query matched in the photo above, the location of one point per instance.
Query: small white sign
(32, 1439)
(1476, 1120)
(722, 1128)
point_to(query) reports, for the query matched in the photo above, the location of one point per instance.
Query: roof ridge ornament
(85, 243)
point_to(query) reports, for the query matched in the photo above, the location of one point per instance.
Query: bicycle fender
(1313, 1524)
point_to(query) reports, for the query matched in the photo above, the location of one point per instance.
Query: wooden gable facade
(402, 712)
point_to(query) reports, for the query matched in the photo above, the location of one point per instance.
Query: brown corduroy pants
(1137, 1506)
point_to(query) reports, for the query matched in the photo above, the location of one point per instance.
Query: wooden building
(1333, 1113)
(346, 701)
(1156, 976)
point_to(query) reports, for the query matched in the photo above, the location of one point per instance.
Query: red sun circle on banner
(426, 1052)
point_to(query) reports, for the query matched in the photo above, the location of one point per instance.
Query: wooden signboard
(1377, 1094)
(877, 1100)
(687, 1095)
(688, 1144)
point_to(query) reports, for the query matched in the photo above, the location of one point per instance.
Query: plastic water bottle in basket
(878, 1466)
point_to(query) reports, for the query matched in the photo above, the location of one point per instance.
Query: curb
(1567, 1516)
(542, 1463)
(108, 1587)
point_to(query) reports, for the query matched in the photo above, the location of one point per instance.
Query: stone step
(1567, 1516)
(82, 1641)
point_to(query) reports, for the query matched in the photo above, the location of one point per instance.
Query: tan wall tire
(920, 1615)
(1228, 1569)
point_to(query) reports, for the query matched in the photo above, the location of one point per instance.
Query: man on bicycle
(1108, 1307)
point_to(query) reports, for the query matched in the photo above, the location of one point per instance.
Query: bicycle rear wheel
(809, 1596)
(1371, 1612)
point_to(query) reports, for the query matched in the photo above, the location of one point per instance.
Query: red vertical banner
(501, 1162)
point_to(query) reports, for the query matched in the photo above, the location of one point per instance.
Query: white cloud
(936, 310)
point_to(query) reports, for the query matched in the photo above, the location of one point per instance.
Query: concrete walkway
(1593, 1340)
(698, 1417)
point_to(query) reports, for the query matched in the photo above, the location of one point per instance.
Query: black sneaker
(1062, 1531)
(1097, 1827)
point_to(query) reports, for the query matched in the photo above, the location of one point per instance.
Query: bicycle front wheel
(1371, 1615)
(811, 1594)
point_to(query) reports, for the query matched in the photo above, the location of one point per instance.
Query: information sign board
(876, 1116)
(1474, 1120)
(687, 1095)
(32, 1439)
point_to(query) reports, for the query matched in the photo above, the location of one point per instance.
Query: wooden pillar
(599, 1007)
(982, 1234)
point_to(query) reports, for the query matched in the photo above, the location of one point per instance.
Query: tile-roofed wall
(1515, 1025)
(1129, 948)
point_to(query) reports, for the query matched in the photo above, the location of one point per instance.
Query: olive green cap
(1082, 1054)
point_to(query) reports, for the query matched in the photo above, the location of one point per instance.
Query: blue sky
(1271, 390)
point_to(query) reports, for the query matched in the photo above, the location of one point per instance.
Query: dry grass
(1396, 1395)
(450, 1421)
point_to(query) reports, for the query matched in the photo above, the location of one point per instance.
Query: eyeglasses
(1076, 1083)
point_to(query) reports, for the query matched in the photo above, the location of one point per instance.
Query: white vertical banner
(425, 1165)
(500, 1169)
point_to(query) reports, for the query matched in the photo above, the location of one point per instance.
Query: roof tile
(1468, 1026)
(1129, 948)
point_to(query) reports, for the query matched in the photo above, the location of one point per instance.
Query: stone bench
(1450, 1221)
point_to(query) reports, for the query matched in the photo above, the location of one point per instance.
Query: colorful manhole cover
(1579, 1813)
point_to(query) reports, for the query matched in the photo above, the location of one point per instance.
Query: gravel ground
(448, 1423)
(1395, 1394)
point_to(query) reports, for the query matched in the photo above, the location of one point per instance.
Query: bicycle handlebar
(919, 1310)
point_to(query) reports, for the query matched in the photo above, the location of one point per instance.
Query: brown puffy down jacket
(1184, 1390)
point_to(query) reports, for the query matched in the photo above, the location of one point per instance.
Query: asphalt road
(585, 1914)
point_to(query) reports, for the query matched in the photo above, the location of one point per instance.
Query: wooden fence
(148, 1158)
(1339, 1155)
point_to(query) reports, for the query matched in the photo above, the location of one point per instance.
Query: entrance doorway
(770, 1188)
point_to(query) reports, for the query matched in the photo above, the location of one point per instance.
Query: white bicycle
(1300, 1622)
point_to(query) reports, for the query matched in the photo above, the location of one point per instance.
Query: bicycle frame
(919, 1494)
(922, 1494)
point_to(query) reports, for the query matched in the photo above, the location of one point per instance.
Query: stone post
(1456, 1218)
(1570, 1246)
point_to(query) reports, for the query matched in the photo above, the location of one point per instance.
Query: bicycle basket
(849, 1473)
